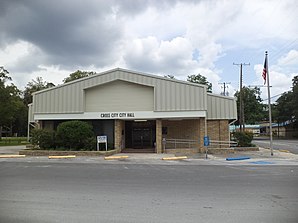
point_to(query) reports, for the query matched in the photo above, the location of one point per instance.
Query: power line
(273, 97)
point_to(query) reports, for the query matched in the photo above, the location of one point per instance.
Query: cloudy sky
(54, 38)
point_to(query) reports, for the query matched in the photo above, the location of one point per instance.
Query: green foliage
(33, 86)
(243, 138)
(43, 138)
(286, 107)
(12, 110)
(4, 75)
(253, 108)
(77, 75)
(13, 141)
(199, 79)
(75, 135)
(90, 144)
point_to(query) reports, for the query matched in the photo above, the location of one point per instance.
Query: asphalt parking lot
(126, 191)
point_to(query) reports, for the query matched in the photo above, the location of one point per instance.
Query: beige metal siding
(66, 99)
(220, 107)
(30, 113)
(119, 96)
(169, 95)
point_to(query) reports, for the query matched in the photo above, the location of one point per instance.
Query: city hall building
(138, 111)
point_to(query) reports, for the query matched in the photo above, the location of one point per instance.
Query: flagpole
(269, 103)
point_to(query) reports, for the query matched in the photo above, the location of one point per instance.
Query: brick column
(118, 134)
(158, 136)
(201, 134)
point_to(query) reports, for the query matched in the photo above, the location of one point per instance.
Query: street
(290, 145)
(122, 192)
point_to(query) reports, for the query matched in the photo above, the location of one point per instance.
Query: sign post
(102, 139)
(206, 144)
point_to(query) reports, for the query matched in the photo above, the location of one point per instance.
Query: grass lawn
(13, 141)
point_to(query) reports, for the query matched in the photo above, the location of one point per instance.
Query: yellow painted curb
(175, 158)
(12, 156)
(62, 157)
(284, 150)
(115, 157)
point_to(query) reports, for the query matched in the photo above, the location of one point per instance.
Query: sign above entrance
(144, 115)
(117, 115)
(124, 115)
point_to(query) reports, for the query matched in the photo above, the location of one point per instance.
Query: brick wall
(183, 129)
(119, 139)
(218, 130)
(194, 129)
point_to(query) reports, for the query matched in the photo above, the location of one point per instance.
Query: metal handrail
(223, 143)
(179, 141)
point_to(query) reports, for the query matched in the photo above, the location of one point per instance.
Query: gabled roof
(123, 70)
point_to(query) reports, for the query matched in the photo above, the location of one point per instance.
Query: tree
(295, 97)
(199, 79)
(253, 108)
(33, 86)
(284, 107)
(10, 101)
(287, 104)
(77, 75)
(4, 75)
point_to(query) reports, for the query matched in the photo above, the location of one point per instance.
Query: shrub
(43, 138)
(243, 138)
(74, 134)
(90, 144)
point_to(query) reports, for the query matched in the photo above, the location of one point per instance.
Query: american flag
(265, 70)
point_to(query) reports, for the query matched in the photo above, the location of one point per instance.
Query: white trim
(134, 115)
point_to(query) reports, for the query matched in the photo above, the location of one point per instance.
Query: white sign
(102, 139)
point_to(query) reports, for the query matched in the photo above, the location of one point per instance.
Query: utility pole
(224, 87)
(241, 106)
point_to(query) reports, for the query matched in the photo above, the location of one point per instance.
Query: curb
(115, 157)
(175, 158)
(12, 156)
(284, 150)
(62, 157)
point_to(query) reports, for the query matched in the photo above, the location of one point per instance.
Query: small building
(287, 129)
(255, 129)
(138, 111)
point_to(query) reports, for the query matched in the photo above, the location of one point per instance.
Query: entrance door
(142, 138)
(139, 135)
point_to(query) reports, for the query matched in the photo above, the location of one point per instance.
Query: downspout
(231, 123)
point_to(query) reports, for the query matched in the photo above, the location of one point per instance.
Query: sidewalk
(261, 154)
(261, 157)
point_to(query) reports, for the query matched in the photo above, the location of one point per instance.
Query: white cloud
(290, 59)
(12, 53)
(161, 37)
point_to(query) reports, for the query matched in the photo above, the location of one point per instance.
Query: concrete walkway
(11, 149)
(261, 154)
